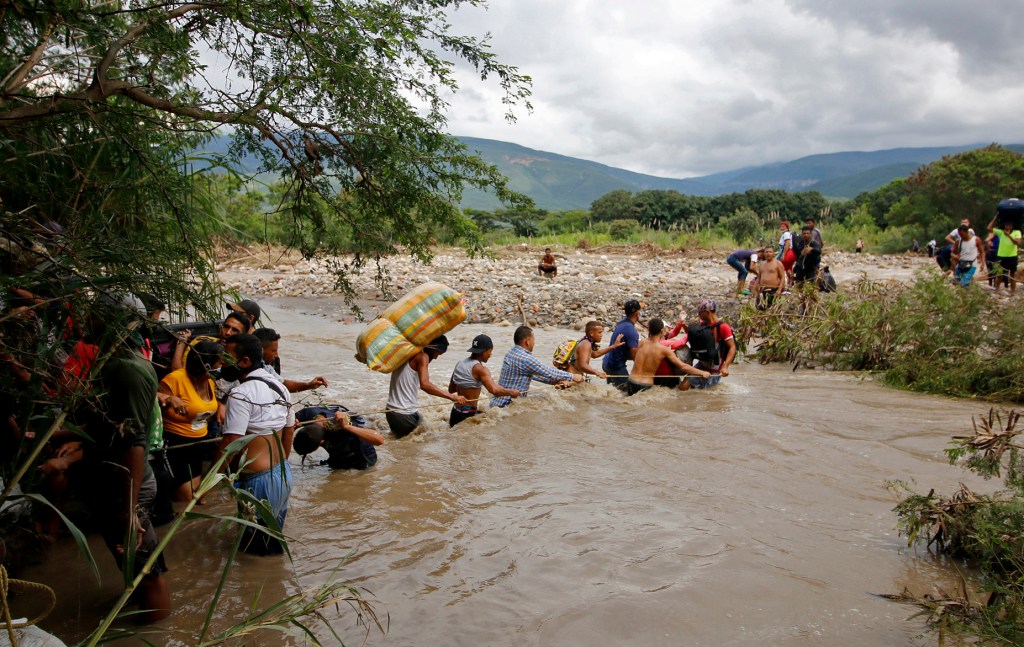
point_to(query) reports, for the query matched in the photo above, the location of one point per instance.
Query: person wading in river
(470, 376)
(403, 414)
(649, 356)
(259, 405)
(614, 363)
(520, 367)
(725, 346)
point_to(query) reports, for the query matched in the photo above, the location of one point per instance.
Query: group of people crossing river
(712, 347)
(164, 417)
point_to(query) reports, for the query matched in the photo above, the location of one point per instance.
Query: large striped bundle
(408, 325)
(383, 348)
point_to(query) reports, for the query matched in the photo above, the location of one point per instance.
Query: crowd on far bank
(796, 260)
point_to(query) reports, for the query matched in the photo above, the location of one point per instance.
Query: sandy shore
(504, 287)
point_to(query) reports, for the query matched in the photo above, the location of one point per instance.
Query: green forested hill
(558, 182)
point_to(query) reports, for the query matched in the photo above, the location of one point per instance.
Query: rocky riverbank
(504, 286)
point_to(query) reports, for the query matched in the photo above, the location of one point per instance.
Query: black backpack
(703, 345)
(826, 282)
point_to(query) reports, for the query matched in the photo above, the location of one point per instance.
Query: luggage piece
(409, 324)
(1010, 210)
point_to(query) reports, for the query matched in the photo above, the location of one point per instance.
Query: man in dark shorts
(547, 266)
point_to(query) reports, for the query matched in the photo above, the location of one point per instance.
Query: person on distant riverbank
(771, 279)
(614, 363)
(649, 357)
(742, 260)
(1006, 255)
(786, 253)
(588, 348)
(470, 377)
(968, 252)
(860, 245)
(520, 367)
(407, 381)
(808, 251)
(815, 232)
(944, 258)
(954, 236)
(547, 266)
(718, 361)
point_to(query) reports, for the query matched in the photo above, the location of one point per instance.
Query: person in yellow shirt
(192, 403)
(1005, 267)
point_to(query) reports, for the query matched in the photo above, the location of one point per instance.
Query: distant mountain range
(558, 182)
(562, 183)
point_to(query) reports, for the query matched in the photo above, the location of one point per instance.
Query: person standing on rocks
(808, 253)
(614, 363)
(771, 279)
(520, 367)
(815, 232)
(742, 260)
(407, 381)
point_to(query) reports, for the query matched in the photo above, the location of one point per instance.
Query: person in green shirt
(1006, 255)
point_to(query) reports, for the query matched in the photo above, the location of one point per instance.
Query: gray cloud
(686, 88)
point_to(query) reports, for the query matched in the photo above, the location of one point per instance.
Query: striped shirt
(520, 367)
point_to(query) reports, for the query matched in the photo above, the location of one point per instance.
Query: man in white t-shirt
(954, 236)
(259, 405)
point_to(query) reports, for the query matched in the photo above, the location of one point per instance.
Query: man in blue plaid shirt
(520, 367)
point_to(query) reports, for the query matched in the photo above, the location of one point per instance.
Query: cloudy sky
(688, 87)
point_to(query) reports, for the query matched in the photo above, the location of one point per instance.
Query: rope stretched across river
(434, 404)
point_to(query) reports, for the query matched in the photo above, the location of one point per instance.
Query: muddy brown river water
(752, 514)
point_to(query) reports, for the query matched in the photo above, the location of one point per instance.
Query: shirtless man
(259, 406)
(771, 279)
(470, 376)
(587, 349)
(547, 265)
(649, 356)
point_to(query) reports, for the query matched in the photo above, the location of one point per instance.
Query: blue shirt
(520, 367)
(614, 363)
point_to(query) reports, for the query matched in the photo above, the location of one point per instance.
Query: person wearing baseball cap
(407, 381)
(470, 377)
(250, 308)
(614, 363)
